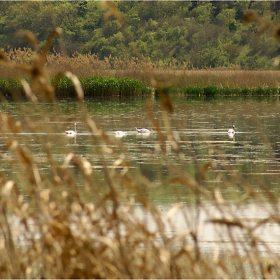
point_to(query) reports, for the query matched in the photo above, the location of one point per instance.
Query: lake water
(199, 130)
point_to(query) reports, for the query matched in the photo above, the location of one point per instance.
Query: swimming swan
(72, 132)
(143, 130)
(231, 131)
(120, 133)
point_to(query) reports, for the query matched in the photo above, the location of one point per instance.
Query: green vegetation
(188, 34)
(95, 86)
(102, 86)
(216, 91)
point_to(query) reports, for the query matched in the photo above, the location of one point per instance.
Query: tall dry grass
(54, 227)
(174, 74)
(50, 229)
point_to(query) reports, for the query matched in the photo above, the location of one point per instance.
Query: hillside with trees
(196, 34)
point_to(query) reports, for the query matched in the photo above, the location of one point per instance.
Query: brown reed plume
(40, 81)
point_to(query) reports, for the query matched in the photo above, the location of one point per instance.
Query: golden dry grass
(144, 70)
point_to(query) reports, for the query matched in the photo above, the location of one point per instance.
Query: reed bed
(52, 226)
(143, 69)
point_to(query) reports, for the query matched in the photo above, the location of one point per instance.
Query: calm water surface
(201, 131)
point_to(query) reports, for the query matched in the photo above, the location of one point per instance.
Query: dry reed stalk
(40, 84)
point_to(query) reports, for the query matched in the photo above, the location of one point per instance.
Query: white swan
(143, 130)
(231, 131)
(120, 133)
(72, 132)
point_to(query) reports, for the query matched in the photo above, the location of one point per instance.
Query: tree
(204, 13)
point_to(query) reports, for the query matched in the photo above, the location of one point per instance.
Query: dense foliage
(197, 34)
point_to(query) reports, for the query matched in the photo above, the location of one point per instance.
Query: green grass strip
(96, 86)
(103, 86)
(92, 86)
(216, 91)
